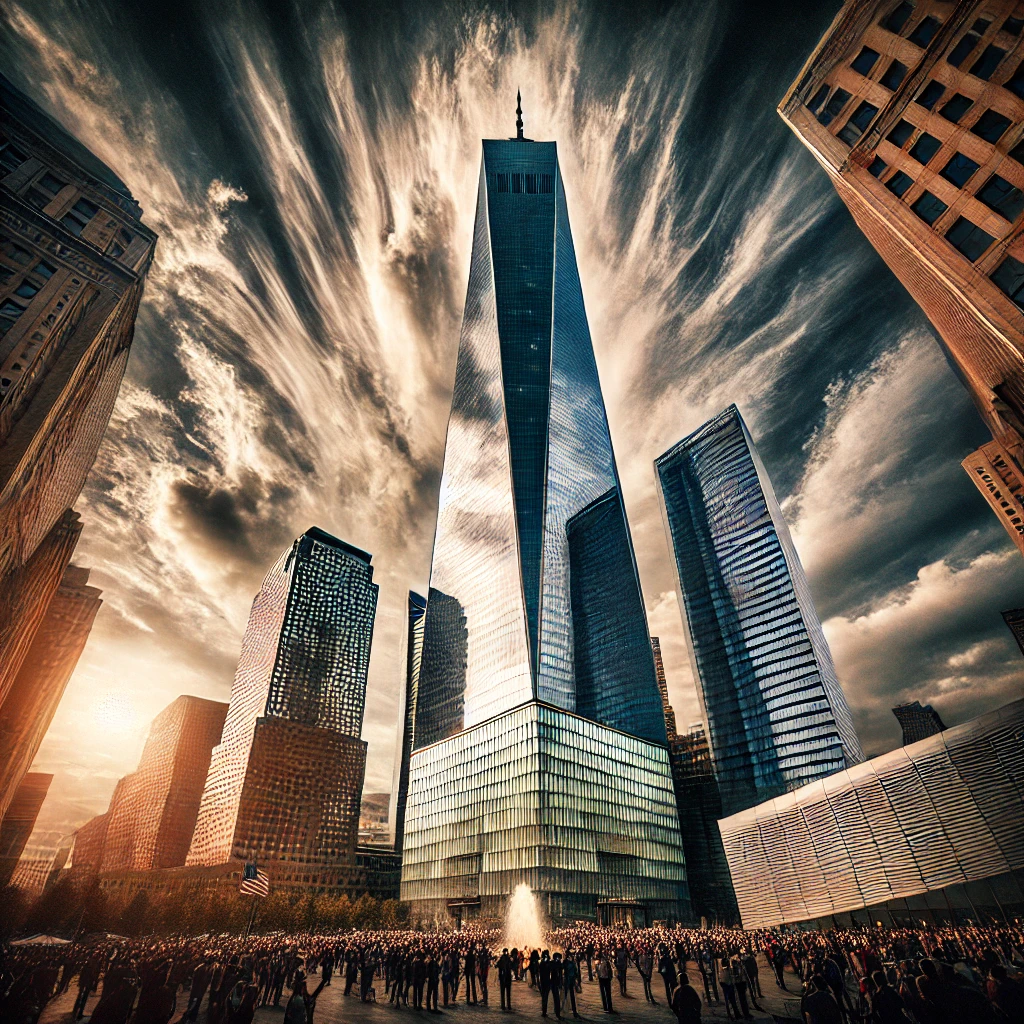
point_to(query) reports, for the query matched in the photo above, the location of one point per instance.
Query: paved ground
(333, 1007)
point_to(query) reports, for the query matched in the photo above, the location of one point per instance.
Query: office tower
(915, 111)
(407, 713)
(285, 780)
(90, 839)
(1014, 619)
(918, 721)
(659, 675)
(73, 258)
(925, 835)
(776, 715)
(537, 675)
(39, 685)
(699, 803)
(20, 820)
(1000, 485)
(152, 816)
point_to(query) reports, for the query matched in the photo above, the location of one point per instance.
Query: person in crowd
(645, 968)
(621, 966)
(604, 981)
(685, 1002)
(818, 1005)
(570, 982)
(506, 972)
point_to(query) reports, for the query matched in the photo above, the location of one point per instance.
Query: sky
(311, 169)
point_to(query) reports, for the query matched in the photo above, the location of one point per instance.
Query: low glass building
(932, 832)
(538, 741)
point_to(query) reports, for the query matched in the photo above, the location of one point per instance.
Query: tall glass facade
(581, 813)
(305, 657)
(534, 593)
(776, 715)
(417, 612)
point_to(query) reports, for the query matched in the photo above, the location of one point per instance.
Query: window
(26, 289)
(834, 105)
(15, 252)
(969, 239)
(959, 170)
(956, 108)
(894, 75)
(925, 32)
(899, 135)
(999, 195)
(1016, 82)
(1018, 152)
(865, 61)
(817, 99)
(9, 312)
(878, 165)
(963, 49)
(899, 183)
(986, 64)
(44, 190)
(991, 126)
(79, 215)
(11, 158)
(44, 270)
(1013, 26)
(899, 17)
(856, 126)
(930, 94)
(929, 208)
(1009, 276)
(925, 148)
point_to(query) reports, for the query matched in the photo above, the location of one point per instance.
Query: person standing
(739, 980)
(728, 982)
(621, 966)
(419, 980)
(469, 970)
(505, 973)
(483, 967)
(433, 969)
(570, 979)
(667, 970)
(818, 1005)
(645, 967)
(532, 967)
(685, 1002)
(544, 981)
(87, 982)
(604, 981)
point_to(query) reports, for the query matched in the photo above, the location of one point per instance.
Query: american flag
(254, 882)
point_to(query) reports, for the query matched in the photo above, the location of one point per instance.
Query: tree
(94, 911)
(367, 911)
(57, 908)
(13, 908)
(135, 917)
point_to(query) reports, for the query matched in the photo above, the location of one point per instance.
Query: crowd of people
(950, 975)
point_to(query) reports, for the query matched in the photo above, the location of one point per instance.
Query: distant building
(90, 839)
(153, 812)
(776, 713)
(659, 674)
(927, 834)
(285, 782)
(417, 612)
(74, 254)
(39, 685)
(918, 721)
(45, 855)
(1015, 620)
(915, 111)
(20, 820)
(700, 806)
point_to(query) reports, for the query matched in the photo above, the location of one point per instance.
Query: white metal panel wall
(945, 810)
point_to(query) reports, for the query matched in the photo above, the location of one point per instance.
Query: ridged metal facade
(942, 812)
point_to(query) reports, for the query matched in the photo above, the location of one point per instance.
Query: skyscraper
(918, 721)
(285, 780)
(539, 741)
(407, 718)
(74, 254)
(20, 820)
(150, 823)
(39, 685)
(659, 674)
(776, 715)
(915, 111)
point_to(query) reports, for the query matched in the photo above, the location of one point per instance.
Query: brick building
(20, 820)
(916, 111)
(40, 683)
(73, 258)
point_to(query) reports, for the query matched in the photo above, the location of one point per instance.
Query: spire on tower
(519, 115)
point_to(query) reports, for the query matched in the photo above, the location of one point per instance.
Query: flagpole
(252, 916)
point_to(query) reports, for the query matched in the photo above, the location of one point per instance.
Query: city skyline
(191, 492)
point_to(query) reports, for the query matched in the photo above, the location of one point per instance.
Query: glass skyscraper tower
(776, 715)
(538, 737)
